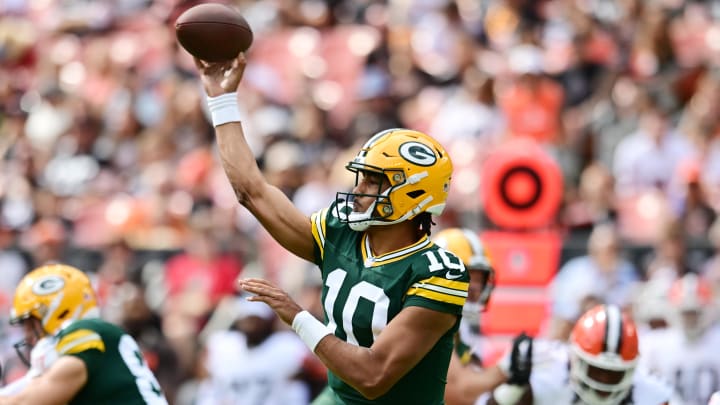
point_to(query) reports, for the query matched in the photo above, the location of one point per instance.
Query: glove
(520, 360)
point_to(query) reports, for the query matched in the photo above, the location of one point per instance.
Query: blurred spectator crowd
(109, 162)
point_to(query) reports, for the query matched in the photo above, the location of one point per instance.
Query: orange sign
(523, 258)
(512, 311)
(522, 186)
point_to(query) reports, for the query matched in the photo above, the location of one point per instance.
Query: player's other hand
(221, 77)
(520, 360)
(276, 298)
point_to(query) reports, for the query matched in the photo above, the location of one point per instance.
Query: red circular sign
(522, 186)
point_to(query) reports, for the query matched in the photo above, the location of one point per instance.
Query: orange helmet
(691, 298)
(604, 352)
(417, 168)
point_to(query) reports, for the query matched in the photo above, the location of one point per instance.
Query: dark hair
(424, 222)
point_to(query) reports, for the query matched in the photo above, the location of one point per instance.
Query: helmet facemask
(694, 322)
(32, 331)
(35, 325)
(382, 206)
(379, 209)
(600, 381)
(478, 293)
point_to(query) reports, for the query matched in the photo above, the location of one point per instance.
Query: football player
(84, 359)
(467, 246)
(599, 366)
(265, 366)
(392, 299)
(467, 379)
(686, 352)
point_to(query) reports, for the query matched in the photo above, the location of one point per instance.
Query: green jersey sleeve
(325, 224)
(319, 231)
(440, 282)
(83, 343)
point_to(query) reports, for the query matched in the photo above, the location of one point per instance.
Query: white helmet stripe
(613, 329)
(474, 241)
(477, 257)
(54, 305)
(370, 142)
(377, 136)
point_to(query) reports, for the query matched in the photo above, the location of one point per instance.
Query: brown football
(213, 32)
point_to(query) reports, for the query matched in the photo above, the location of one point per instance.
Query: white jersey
(258, 375)
(550, 379)
(470, 337)
(693, 367)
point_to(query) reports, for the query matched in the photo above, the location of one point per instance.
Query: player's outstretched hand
(521, 360)
(221, 77)
(276, 298)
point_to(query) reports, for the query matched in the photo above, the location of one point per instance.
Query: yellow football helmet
(54, 294)
(467, 246)
(417, 168)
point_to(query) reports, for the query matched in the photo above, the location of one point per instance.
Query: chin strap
(362, 225)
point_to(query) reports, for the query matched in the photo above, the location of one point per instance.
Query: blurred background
(584, 135)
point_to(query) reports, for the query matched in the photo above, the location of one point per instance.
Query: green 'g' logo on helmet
(48, 285)
(417, 153)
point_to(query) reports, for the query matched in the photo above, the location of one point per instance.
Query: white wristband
(310, 330)
(224, 108)
(507, 394)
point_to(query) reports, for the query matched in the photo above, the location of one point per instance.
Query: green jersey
(362, 293)
(116, 370)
